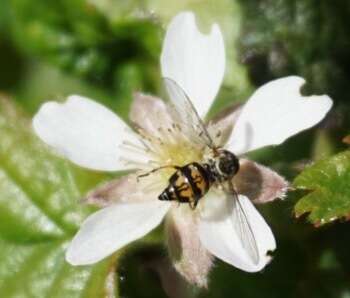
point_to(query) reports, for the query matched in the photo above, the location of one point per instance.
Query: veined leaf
(40, 212)
(328, 183)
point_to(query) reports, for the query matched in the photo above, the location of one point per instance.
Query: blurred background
(105, 50)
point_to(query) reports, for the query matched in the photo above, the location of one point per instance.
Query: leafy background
(105, 49)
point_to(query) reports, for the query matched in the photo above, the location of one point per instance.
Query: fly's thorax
(223, 166)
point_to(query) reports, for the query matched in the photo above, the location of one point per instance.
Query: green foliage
(40, 212)
(328, 183)
(308, 38)
(74, 36)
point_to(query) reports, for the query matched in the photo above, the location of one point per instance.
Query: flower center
(165, 147)
(172, 147)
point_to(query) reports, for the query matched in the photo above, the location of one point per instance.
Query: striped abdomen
(187, 185)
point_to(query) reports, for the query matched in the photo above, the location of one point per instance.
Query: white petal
(220, 128)
(111, 228)
(195, 61)
(189, 256)
(85, 132)
(221, 238)
(150, 113)
(127, 189)
(275, 112)
(259, 183)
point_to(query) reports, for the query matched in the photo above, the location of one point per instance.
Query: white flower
(92, 136)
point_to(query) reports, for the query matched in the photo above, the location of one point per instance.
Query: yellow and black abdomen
(187, 185)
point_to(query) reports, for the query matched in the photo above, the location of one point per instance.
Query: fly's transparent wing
(185, 114)
(242, 226)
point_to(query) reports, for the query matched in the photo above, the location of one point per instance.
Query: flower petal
(85, 132)
(190, 258)
(127, 189)
(195, 61)
(260, 184)
(275, 112)
(221, 238)
(111, 228)
(220, 127)
(149, 113)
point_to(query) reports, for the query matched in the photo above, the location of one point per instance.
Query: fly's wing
(185, 114)
(242, 226)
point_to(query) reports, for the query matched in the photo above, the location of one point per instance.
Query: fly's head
(225, 165)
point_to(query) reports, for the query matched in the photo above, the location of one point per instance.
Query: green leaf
(272, 32)
(76, 37)
(328, 183)
(40, 212)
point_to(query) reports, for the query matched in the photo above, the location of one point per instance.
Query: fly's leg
(193, 203)
(156, 170)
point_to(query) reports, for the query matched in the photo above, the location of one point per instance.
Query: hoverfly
(189, 183)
